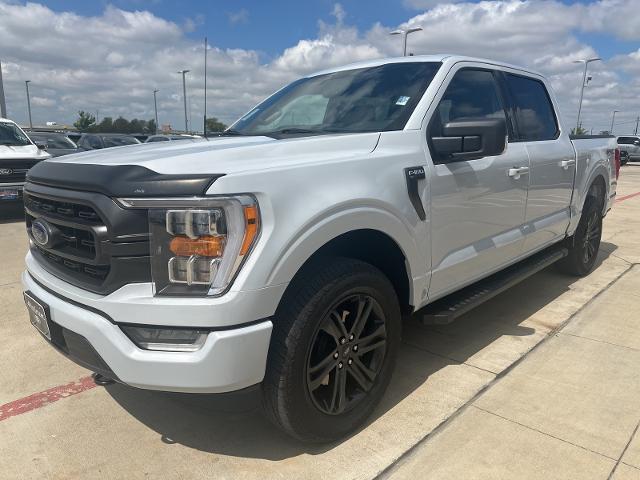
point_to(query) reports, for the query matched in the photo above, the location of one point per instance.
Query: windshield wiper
(229, 132)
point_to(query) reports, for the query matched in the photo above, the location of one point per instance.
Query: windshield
(119, 141)
(626, 140)
(11, 135)
(363, 100)
(53, 141)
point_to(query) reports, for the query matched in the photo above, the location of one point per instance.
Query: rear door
(477, 209)
(552, 161)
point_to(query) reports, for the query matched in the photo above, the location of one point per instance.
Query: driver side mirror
(636, 142)
(470, 139)
(41, 146)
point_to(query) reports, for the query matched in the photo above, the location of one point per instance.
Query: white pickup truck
(286, 253)
(17, 155)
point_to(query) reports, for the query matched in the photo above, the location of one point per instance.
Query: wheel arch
(381, 240)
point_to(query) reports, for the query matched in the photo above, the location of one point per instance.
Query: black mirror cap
(470, 139)
(41, 146)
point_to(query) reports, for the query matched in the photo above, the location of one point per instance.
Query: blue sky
(108, 56)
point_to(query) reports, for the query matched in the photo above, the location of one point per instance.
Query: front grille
(64, 209)
(95, 244)
(15, 170)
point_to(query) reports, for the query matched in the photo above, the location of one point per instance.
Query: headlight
(198, 244)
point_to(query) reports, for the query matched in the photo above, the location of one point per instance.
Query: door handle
(567, 163)
(516, 172)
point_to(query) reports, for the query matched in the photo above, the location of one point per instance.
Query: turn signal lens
(208, 246)
(251, 228)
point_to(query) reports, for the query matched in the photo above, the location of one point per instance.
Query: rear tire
(335, 340)
(585, 242)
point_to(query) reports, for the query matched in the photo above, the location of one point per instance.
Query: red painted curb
(44, 398)
(627, 197)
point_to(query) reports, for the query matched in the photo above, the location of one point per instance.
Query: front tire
(334, 344)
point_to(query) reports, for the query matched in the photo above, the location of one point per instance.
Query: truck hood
(228, 155)
(27, 152)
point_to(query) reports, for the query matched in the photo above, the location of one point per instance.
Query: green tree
(85, 121)
(106, 125)
(151, 127)
(121, 125)
(578, 131)
(214, 125)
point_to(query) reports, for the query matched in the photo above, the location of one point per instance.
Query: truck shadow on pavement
(233, 424)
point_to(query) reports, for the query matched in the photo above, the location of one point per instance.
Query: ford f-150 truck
(285, 253)
(17, 154)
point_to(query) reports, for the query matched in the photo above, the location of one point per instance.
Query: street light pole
(3, 104)
(26, 84)
(613, 118)
(155, 108)
(405, 34)
(204, 123)
(586, 62)
(184, 95)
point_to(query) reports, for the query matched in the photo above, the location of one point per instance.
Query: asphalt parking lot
(540, 382)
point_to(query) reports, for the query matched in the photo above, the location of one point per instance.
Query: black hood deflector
(119, 180)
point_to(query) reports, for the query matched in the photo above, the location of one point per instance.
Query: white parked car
(17, 155)
(286, 253)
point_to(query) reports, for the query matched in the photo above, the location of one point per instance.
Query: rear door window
(533, 109)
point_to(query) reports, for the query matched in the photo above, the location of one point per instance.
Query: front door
(477, 206)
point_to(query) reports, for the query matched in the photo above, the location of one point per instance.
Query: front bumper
(232, 358)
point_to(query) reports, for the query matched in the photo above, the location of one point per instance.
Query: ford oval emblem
(6, 171)
(40, 232)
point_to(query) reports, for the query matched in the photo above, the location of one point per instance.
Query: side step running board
(447, 309)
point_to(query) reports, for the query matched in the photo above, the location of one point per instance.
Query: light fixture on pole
(405, 34)
(613, 119)
(26, 84)
(155, 108)
(586, 62)
(184, 95)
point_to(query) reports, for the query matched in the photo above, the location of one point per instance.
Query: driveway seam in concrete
(385, 472)
(600, 341)
(458, 362)
(543, 433)
(624, 450)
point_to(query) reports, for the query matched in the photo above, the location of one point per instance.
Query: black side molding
(119, 180)
(413, 175)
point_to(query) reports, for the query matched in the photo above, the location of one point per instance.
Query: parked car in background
(56, 144)
(624, 157)
(74, 136)
(287, 251)
(631, 145)
(97, 141)
(171, 138)
(17, 155)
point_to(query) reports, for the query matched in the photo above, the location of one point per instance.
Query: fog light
(166, 339)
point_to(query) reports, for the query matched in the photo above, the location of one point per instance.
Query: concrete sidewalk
(569, 410)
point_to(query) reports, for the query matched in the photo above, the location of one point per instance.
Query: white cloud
(113, 61)
(241, 16)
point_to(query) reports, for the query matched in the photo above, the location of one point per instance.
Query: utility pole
(3, 104)
(613, 118)
(155, 107)
(204, 124)
(584, 79)
(184, 95)
(26, 84)
(405, 34)
(637, 122)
